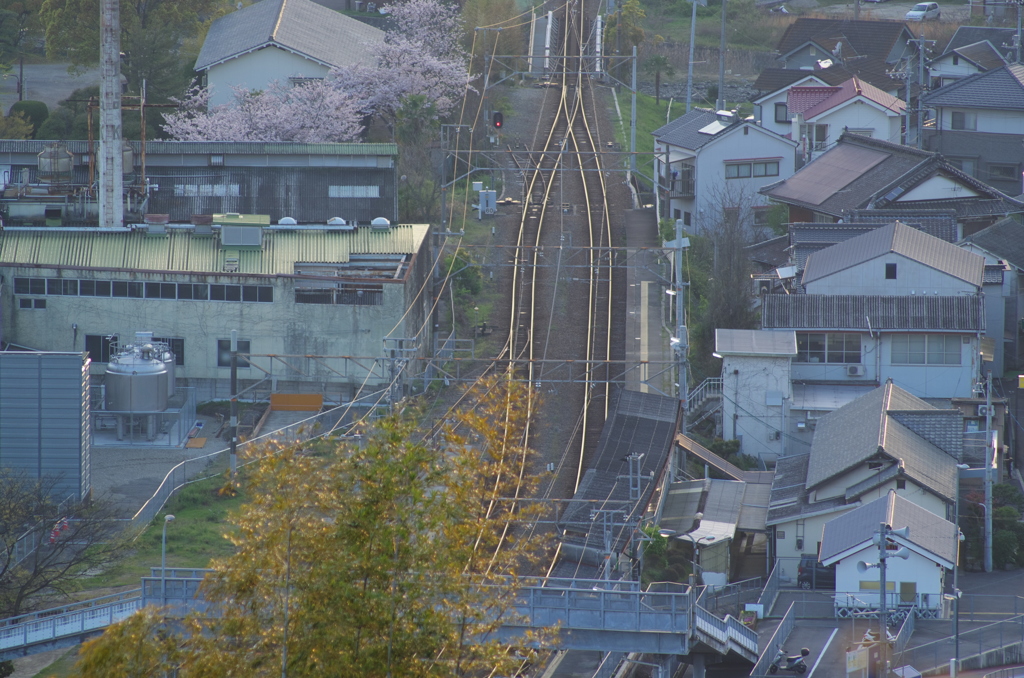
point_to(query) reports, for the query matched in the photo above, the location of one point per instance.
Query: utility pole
(234, 403)
(720, 104)
(111, 152)
(921, 44)
(882, 537)
(632, 120)
(990, 465)
(693, 38)
(680, 342)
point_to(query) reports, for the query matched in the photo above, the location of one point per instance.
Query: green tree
(416, 129)
(35, 112)
(371, 559)
(151, 33)
(15, 126)
(657, 65)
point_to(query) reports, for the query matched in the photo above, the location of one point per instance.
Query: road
(49, 83)
(896, 11)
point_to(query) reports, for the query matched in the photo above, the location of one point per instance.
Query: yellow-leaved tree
(393, 557)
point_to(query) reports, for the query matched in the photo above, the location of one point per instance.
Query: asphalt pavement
(49, 83)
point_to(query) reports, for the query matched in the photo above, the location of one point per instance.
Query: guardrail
(905, 632)
(972, 643)
(60, 622)
(778, 639)
(770, 592)
(710, 387)
(725, 631)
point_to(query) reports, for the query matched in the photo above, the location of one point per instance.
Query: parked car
(923, 11)
(813, 575)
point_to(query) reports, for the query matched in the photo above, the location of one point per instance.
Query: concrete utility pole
(991, 463)
(720, 104)
(111, 163)
(693, 38)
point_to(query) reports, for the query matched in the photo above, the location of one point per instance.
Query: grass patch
(193, 539)
(63, 667)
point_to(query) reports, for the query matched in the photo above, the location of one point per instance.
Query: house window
(901, 484)
(1003, 173)
(781, 112)
(224, 352)
(966, 120)
(874, 585)
(874, 465)
(744, 170)
(780, 534)
(98, 346)
(890, 271)
(687, 218)
(833, 347)
(926, 349)
(966, 165)
(816, 135)
(956, 59)
(762, 216)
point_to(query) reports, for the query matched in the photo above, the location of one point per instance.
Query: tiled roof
(1004, 239)
(299, 26)
(939, 223)
(859, 172)
(941, 428)
(863, 430)
(684, 131)
(964, 313)
(969, 35)
(800, 99)
(157, 147)
(931, 533)
(182, 251)
(899, 239)
(872, 70)
(789, 492)
(851, 89)
(983, 55)
(1000, 88)
(873, 38)
(770, 253)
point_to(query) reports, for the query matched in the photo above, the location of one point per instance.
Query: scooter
(794, 663)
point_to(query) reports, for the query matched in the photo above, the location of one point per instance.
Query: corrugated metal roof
(183, 251)
(899, 239)
(301, 26)
(928, 531)
(829, 173)
(755, 342)
(964, 313)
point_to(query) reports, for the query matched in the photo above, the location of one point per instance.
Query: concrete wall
(746, 414)
(884, 125)
(868, 278)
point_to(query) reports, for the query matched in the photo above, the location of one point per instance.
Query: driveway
(49, 83)
(951, 13)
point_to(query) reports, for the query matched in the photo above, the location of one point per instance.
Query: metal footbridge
(590, 614)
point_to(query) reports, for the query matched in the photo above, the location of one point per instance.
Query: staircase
(703, 401)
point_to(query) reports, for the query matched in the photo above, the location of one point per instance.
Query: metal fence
(731, 597)
(770, 593)
(778, 639)
(904, 634)
(972, 643)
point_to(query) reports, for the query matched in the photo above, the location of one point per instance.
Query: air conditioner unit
(855, 370)
(774, 435)
(800, 545)
(984, 410)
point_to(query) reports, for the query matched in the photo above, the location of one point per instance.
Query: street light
(163, 561)
(957, 536)
(668, 534)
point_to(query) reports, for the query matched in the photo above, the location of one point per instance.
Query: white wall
(859, 114)
(746, 381)
(868, 279)
(995, 121)
(925, 573)
(812, 526)
(257, 70)
(767, 105)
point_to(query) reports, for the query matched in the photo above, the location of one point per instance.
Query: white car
(923, 11)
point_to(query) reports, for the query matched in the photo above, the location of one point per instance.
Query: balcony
(679, 182)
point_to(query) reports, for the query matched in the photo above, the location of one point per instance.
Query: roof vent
(336, 221)
(339, 224)
(203, 223)
(380, 224)
(286, 221)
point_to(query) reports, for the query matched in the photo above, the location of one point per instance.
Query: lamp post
(163, 561)
(956, 567)
(668, 534)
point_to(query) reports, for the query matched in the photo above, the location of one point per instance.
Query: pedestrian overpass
(589, 614)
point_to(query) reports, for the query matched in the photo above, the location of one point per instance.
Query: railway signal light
(499, 119)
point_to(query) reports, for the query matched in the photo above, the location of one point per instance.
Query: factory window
(177, 346)
(130, 290)
(98, 346)
(353, 191)
(30, 286)
(346, 294)
(61, 286)
(224, 352)
(94, 288)
(31, 303)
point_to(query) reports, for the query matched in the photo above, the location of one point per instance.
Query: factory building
(327, 289)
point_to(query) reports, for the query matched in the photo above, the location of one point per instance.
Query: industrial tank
(54, 164)
(137, 380)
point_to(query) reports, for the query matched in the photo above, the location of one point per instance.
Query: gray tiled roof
(863, 430)
(964, 313)
(899, 239)
(928, 531)
(969, 35)
(1004, 239)
(300, 26)
(1001, 88)
(770, 253)
(942, 428)
(982, 54)
(860, 172)
(789, 492)
(755, 342)
(872, 38)
(684, 131)
(872, 70)
(940, 223)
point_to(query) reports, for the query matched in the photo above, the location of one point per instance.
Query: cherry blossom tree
(312, 112)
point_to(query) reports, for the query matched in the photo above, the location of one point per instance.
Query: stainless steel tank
(137, 381)
(167, 357)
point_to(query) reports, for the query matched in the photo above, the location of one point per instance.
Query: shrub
(35, 111)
